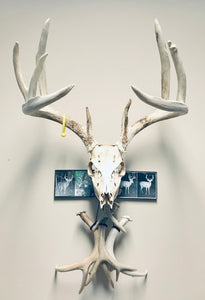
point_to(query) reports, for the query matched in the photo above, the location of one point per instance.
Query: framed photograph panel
(76, 184)
(139, 185)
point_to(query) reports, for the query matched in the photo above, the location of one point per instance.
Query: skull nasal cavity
(106, 195)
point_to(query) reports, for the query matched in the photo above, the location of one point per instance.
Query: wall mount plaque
(76, 184)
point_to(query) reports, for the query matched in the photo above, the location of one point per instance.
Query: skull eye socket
(121, 169)
(91, 169)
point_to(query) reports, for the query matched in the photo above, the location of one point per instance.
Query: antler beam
(39, 106)
(166, 109)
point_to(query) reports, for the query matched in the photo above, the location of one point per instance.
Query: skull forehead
(106, 156)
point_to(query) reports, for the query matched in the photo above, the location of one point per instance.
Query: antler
(166, 109)
(102, 254)
(39, 106)
(110, 241)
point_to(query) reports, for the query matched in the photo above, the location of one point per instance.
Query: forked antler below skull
(106, 166)
(102, 254)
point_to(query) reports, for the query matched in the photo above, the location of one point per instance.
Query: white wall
(102, 47)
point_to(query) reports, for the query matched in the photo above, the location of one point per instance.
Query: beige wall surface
(103, 47)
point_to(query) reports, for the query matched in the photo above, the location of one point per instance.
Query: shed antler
(166, 109)
(39, 106)
(102, 254)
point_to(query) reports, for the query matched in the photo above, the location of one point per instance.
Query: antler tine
(39, 74)
(41, 51)
(17, 69)
(165, 62)
(89, 128)
(36, 76)
(39, 106)
(181, 76)
(170, 108)
(124, 126)
(110, 241)
(86, 263)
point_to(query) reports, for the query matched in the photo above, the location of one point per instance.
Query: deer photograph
(62, 184)
(106, 165)
(82, 184)
(126, 184)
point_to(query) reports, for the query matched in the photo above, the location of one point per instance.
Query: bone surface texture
(102, 254)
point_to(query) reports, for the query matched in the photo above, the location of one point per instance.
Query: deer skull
(106, 168)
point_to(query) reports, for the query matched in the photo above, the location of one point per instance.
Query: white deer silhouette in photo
(64, 184)
(127, 184)
(80, 186)
(146, 184)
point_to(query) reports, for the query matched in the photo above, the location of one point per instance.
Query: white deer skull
(106, 169)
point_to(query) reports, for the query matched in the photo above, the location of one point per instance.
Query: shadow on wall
(181, 180)
(21, 182)
(172, 157)
(17, 193)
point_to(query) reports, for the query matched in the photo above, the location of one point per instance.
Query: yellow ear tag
(63, 134)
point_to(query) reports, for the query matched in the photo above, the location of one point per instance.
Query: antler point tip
(47, 22)
(16, 45)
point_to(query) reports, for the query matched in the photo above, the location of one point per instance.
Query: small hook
(63, 134)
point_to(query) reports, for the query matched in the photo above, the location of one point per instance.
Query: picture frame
(76, 184)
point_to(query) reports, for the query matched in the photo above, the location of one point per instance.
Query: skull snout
(106, 195)
(107, 198)
(109, 191)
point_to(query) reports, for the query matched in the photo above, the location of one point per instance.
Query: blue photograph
(76, 184)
